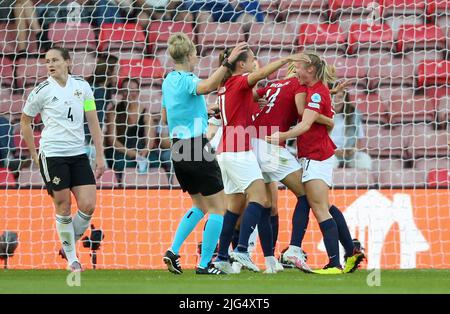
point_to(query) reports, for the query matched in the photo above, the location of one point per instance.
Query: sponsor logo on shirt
(55, 99)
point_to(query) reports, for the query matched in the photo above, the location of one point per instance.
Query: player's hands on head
(99, 167)
(240, 48)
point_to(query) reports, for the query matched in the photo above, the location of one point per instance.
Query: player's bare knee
(87, 206)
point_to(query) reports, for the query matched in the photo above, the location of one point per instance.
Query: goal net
(392, 131)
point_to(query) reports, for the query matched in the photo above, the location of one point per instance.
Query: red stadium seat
(6, 72)
(108, 179)
(127, 36)
(70, 36)
(404, 178)
(443, 111)
(321, 36)
(385, 142)
(272, 36)
(371, 106)
(16, 103)
(219, 35)
(6, 178)
(415, 37)
(387, 164)
(30, 72)
(424, 141)
(427, 164)
(438, 178)
(432, 72)
(386, 70)
(411, 109)
(369, 37)
(149, 71)
(151, 99)
(352, 178)
(83, 64)
(338, 8)
(30, 177)
(155, 177)
(8, 38)
(160, 31)
(207, 65)
(350, 68)
(416, 57)
(303, 5)
(437, 7)
(402, 7)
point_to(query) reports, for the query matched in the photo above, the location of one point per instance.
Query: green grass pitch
(158, 281)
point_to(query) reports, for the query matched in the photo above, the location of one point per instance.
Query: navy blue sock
(229, 222)
(265, 232)
(250, 219)
(235, 239)
(330, 239)
(344, 234)
(274, 222)
(300, 220)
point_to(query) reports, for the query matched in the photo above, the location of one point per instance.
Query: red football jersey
(236, 107)
(280, 113)
(316, 144)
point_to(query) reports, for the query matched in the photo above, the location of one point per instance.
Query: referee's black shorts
(196, 166)
(61, 173)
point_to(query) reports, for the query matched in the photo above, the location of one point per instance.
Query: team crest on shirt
(56, 180)
(77, 93)
(316, 97)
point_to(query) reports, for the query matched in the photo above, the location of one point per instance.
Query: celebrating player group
(233, 177)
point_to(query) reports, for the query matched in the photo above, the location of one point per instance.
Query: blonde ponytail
(324, 72)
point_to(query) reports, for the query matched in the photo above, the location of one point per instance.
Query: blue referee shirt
(187, 116)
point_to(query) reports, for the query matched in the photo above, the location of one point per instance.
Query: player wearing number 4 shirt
(63, 101)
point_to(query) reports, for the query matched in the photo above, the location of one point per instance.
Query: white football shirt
(62, 112)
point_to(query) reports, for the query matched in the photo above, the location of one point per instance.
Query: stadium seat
(30, 177)
(423, 140)
(16, 103)
(83, 64)
(416, 37)
(160, 31)
(387, 164)
(443, 111)
(354, 69)
(151, 99)
(108, 179)
(403, 7)
(427, 164)
(438, 178)
(321, 36)
(432, 72)
(418, 56)
(219, 35)
(19, 142)
(411, 109)
(6, 178)
(155, 177)
(73, 37)
(6, 72)
(385, 142)
(8, 38)
(207, 65)
(30, 72)
(437, 7)
(5, 100)
(352, 178)
(387, 70)
(403, 178)
(371, 106)
(443, 21)
(124, 37)
(374, 37)
(343, 9)
(311, 6)
(149, 71)
(267, 56)
(274, 36)
(295, 19)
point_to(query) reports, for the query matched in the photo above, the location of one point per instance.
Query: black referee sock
(330, 239)
(250, 219)
(344, 233)
(265, 232)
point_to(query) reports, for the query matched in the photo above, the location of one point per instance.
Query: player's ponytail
(324, 72)
(225, 54)
(180, 47)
